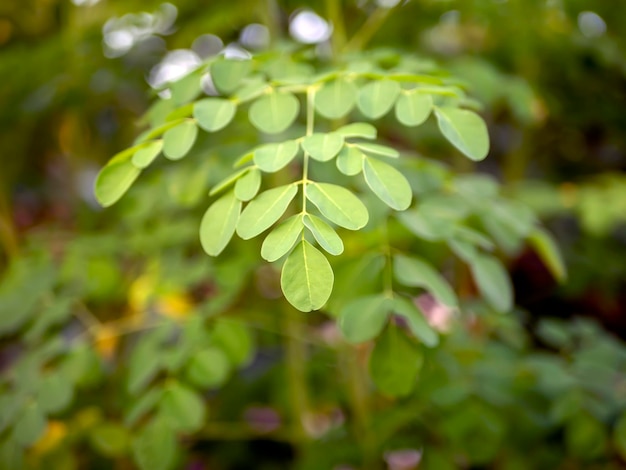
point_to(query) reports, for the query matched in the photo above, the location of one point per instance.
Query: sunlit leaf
(226, 182)
(412, 271)
(350, 160)
(306, 278)
(387, 183)
(377, 149)
(214, 114)
(336, 98)
(465, 129)
(114, 180)
(324, 234)
(248, 185)
(364, 318)
(274, 112)
(219, 223)
(264, 210)
(143, 157)
(227, 74)
(395, 363)
(338, 205)
(416, 321)
(377, 97)
(273, 157)
(282, 238)
(55, 393)
(323, 146)
(363, 130)
(178, 140)
(413, 108)
(493, 282)
(187, 88)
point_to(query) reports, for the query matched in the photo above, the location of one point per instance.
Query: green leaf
(227, 74)
(55, 393)
(114, 180)
(335, 99)
(263, 211)
(377, 97)
(282, 238)
(323, 147)
(416, 321)
(110, 439)
(178, 140)
(493, 282)
(187, 88)
(377, 149)
(143, 157)
(387, 183)
(413, 108)
(226, 182)
(219, 223)
(273, 157)
(548, 251)
(363, 130)
(208, 368)
(214, 114)
(338, 205)
(306, 278)
(145, 362)
(350, 160)
(465, 130)
(395, 363)
(30, 425)
(324, 234)
(154, 447)
(252, 89)
(415, 272)
(248, 185)
(364, 318)
(274, 112)
(234, 338)
(183, 408)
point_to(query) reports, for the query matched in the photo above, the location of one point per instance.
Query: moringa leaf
(323, 147)
(350, 160)
(413, 108)
(214, 114)
(415, 272)
(306, 278)
(274, 112)
(364, 318)
(248, 185)
(416, 321)
(465, 130)
(178, 140)
(114, 180)
(493, 281)
(143, 157)
(324, 234)
(548, 251)
(336, 98)
(273, 157)
(387, 183)
(338, 205)
(219, 223)
(377, 97)
(227, 74)
(282, 238)
(264, 210)
(363, 130)
(377, 149)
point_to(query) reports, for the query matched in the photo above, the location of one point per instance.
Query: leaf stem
(310, 123)
(369, 28)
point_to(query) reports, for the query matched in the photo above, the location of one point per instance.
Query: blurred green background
(543, 388)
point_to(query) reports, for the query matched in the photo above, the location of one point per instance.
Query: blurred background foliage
(87, 293)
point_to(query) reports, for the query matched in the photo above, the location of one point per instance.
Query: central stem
(310, 123)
